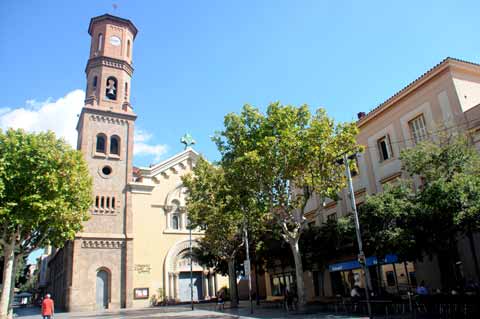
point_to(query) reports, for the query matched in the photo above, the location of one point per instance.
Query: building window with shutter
(418, 129)
(384, 148)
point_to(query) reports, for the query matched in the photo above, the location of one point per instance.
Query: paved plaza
(182, 312)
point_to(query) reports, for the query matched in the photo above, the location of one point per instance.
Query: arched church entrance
(102, 289)
(184, 292)
(177, 275)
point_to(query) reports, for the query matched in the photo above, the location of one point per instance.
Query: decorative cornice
(390, 177)
(103, 244)
(330, 205)
(360, 191)
(107, 119)
(139, 188)
(169, 208)
(116, 19)
(103, 212)
(164, 168)
(109, 62)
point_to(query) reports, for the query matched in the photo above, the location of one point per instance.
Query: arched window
(111, 88)
(175, 222)
(100, 146)
(107, 205)
(126, 90)
(100, 42)
(97, 200)
(94, 83)
(115, 145)
(113, 202)
(102, 202)
(128, 48)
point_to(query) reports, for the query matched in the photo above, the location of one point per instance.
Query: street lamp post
(247, 268)
(361, 254)
(191, 263)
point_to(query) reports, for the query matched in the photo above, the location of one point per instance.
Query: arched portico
(177, 275)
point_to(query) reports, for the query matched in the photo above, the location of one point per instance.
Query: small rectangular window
(390, 278)
(332, 217)
(418, 129)
(384, 148)
(113, 202)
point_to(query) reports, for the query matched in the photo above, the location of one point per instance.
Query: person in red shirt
(47, 307)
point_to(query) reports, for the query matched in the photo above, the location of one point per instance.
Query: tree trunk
(8, 265)
(232, 278)
(474, 254)
(257, 290)
(12, 286)
(298, 275)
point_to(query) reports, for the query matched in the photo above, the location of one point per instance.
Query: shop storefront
(388, 275)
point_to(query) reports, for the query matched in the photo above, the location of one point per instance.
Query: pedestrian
(48, 308)
(221, 300)
(422, 290)
(355, 294)
(288, 300)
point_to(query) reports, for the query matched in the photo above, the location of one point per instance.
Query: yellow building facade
(161, 237)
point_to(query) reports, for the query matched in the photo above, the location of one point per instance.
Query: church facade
(133, 248)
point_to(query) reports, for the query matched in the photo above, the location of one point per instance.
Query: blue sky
(195, 61)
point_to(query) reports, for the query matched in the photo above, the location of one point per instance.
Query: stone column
(209, 285)
(175, 276)
(170, 284)
(204, 284)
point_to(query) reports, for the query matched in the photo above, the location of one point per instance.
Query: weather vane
(188, 140)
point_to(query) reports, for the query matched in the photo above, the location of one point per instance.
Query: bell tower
(109, 68)
(101, 255)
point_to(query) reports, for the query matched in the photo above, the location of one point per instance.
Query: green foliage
(447, 203)
(279, 160)
(320, 244)
(428, 220)
(45, 190)
(213, 207)
(389, 222)
(286, 155)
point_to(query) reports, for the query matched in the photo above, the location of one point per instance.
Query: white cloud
(141, 148)
(60, 116)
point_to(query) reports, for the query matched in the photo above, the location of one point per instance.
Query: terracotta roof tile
(421, 77)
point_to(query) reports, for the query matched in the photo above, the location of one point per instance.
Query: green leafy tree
(389, 222)
(213, 207)
(428, 221)
(448, 198)
(290, 156)
(45, 193)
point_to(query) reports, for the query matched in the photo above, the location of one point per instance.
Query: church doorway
(102, 290)
(184, 286)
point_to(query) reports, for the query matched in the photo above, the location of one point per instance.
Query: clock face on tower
(115, 41)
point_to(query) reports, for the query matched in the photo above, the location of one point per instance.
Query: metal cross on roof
(188, 140)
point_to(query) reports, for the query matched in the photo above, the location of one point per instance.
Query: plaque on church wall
(140, 293)
(142, 268)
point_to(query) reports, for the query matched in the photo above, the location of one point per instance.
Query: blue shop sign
(370, 261)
